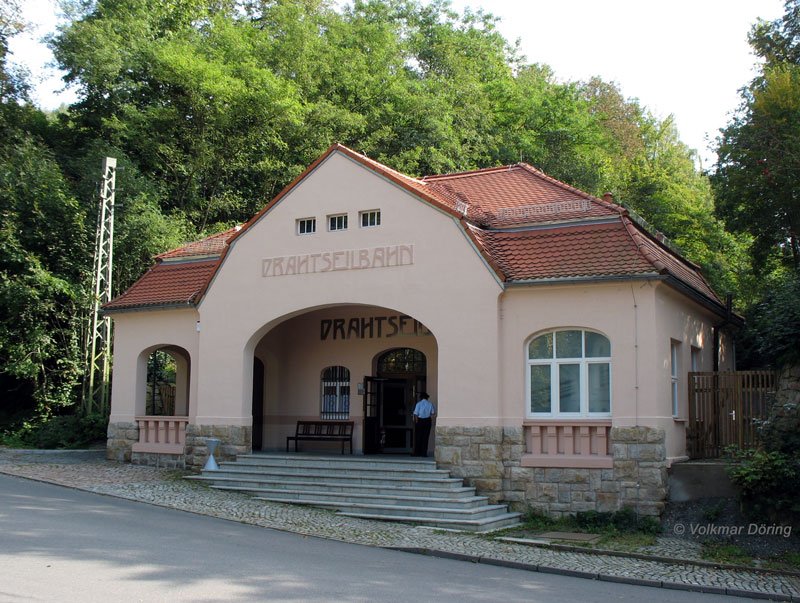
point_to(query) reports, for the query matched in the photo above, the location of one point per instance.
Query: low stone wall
(234, 440)
(488, 458)
(159, 459)
(121, 437)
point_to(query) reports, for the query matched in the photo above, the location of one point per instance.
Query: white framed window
(674, 372)
(370, 218)
(335, 393)
(569, 374)
(337, 222)
(306, 226)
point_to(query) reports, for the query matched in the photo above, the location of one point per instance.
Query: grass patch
(787, 562)
(725, 553)
(625, 542)
(624, 521)
(622, 530)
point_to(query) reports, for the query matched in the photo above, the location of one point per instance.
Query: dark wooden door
(373, 389)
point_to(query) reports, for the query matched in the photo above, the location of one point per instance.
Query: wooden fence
(725, 409)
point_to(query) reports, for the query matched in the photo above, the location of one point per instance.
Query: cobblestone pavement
(87, 470)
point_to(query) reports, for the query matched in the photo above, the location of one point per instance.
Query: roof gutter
(728, 316)
(568, 280)
(146, 308)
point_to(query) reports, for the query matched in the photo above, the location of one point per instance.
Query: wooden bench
(323, 431)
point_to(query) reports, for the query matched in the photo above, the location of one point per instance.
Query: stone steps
(325, 497)
(497, 522)
(352, 477)
(390, 489)
(256, 483)
(352, 461)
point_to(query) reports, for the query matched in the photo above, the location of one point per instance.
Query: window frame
(301, 221)
(330, 218)
(341, 400)
(674, 376)
(696, 359)
(368, 214)
(554, 362)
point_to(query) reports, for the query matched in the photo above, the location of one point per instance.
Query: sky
(685, 58)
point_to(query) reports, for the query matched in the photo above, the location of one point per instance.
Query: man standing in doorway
(424, 412)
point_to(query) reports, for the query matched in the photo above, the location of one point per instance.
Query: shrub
(768, 483)
(72, 431)
(63, 431)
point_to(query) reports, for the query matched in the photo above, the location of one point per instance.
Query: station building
(553, 332)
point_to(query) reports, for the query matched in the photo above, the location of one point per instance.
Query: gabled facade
(554, 334)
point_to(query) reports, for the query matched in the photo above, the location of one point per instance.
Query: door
(258, 404)
(396, 406)
(373, 389)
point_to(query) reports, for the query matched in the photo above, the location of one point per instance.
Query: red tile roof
(668, 261)
(211, 246)
(167, 284)
(589, 250)
(527, 225)
(515, 195)
(565, 252)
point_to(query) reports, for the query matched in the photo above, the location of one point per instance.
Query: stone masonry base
(233, 440)
(488, 458)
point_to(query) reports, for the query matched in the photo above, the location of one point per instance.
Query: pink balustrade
(559, 443)
(166, 435)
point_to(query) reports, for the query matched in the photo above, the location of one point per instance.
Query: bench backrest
(325, 428)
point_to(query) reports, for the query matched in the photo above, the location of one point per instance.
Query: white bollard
(211, 463)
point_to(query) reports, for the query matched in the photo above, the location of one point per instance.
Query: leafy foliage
(772, 327)
(768, 483)
(42, 248)
(624, 521)
(759, 151)
(61, 431)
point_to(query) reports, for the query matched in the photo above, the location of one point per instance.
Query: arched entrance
(314, 366)
(389, 398)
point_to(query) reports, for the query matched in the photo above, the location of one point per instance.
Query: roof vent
(461, 204)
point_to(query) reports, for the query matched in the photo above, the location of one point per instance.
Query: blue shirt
(424, 409)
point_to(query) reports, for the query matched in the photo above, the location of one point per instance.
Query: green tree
(759, 151)
(42, 256)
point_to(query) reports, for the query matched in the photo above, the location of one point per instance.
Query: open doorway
(389, 399)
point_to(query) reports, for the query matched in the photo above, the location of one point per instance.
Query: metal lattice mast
(96, 391)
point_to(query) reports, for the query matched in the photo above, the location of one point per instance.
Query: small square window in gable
(306, 226)
(370, 218)
(337, 222)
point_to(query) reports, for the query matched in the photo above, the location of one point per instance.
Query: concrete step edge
(451, 522)
(430, 500)
(229, 473)
(389, 491)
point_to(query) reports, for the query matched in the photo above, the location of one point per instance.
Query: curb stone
(645, 557)
(698, 588)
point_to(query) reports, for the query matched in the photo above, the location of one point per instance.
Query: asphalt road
(59, 544)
